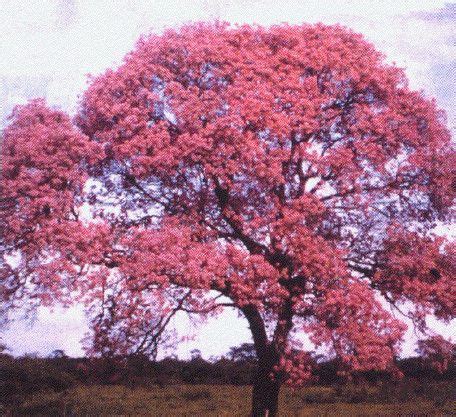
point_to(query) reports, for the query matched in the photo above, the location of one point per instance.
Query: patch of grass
(411, 409)
(197, 395)
(234, 401)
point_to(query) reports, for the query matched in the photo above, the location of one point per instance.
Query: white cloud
(51, 329)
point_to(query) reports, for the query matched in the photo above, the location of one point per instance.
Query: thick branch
(257, 327)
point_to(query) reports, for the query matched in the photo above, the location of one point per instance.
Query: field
(226, 400)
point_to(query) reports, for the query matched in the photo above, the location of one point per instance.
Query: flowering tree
(288, 172)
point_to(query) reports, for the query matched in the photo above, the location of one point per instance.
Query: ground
(225, 400)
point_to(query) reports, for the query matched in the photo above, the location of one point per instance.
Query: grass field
(223, 400)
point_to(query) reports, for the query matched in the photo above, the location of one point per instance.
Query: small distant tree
(243, 353)
(195, 354)
(287, 172)
(58, 354)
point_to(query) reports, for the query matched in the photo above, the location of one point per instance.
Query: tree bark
(265, 389)
(265, 395)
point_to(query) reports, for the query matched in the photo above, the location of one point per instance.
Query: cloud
(439, 57)
(51, 329)
(18, 90)
(444, 14)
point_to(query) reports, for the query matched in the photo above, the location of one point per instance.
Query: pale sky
(47, 48)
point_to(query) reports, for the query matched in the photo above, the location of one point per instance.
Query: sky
(48, 48)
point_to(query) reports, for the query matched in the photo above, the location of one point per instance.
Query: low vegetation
(62, 386)
(229, 400)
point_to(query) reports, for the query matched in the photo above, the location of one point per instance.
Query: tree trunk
(265, 390)
(265, 395)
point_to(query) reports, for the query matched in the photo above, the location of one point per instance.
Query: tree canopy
(288, 172)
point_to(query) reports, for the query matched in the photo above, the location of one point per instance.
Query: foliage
(81, 386)
(243, 353)
(438, 351)
(21, 377)
(32, 374)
